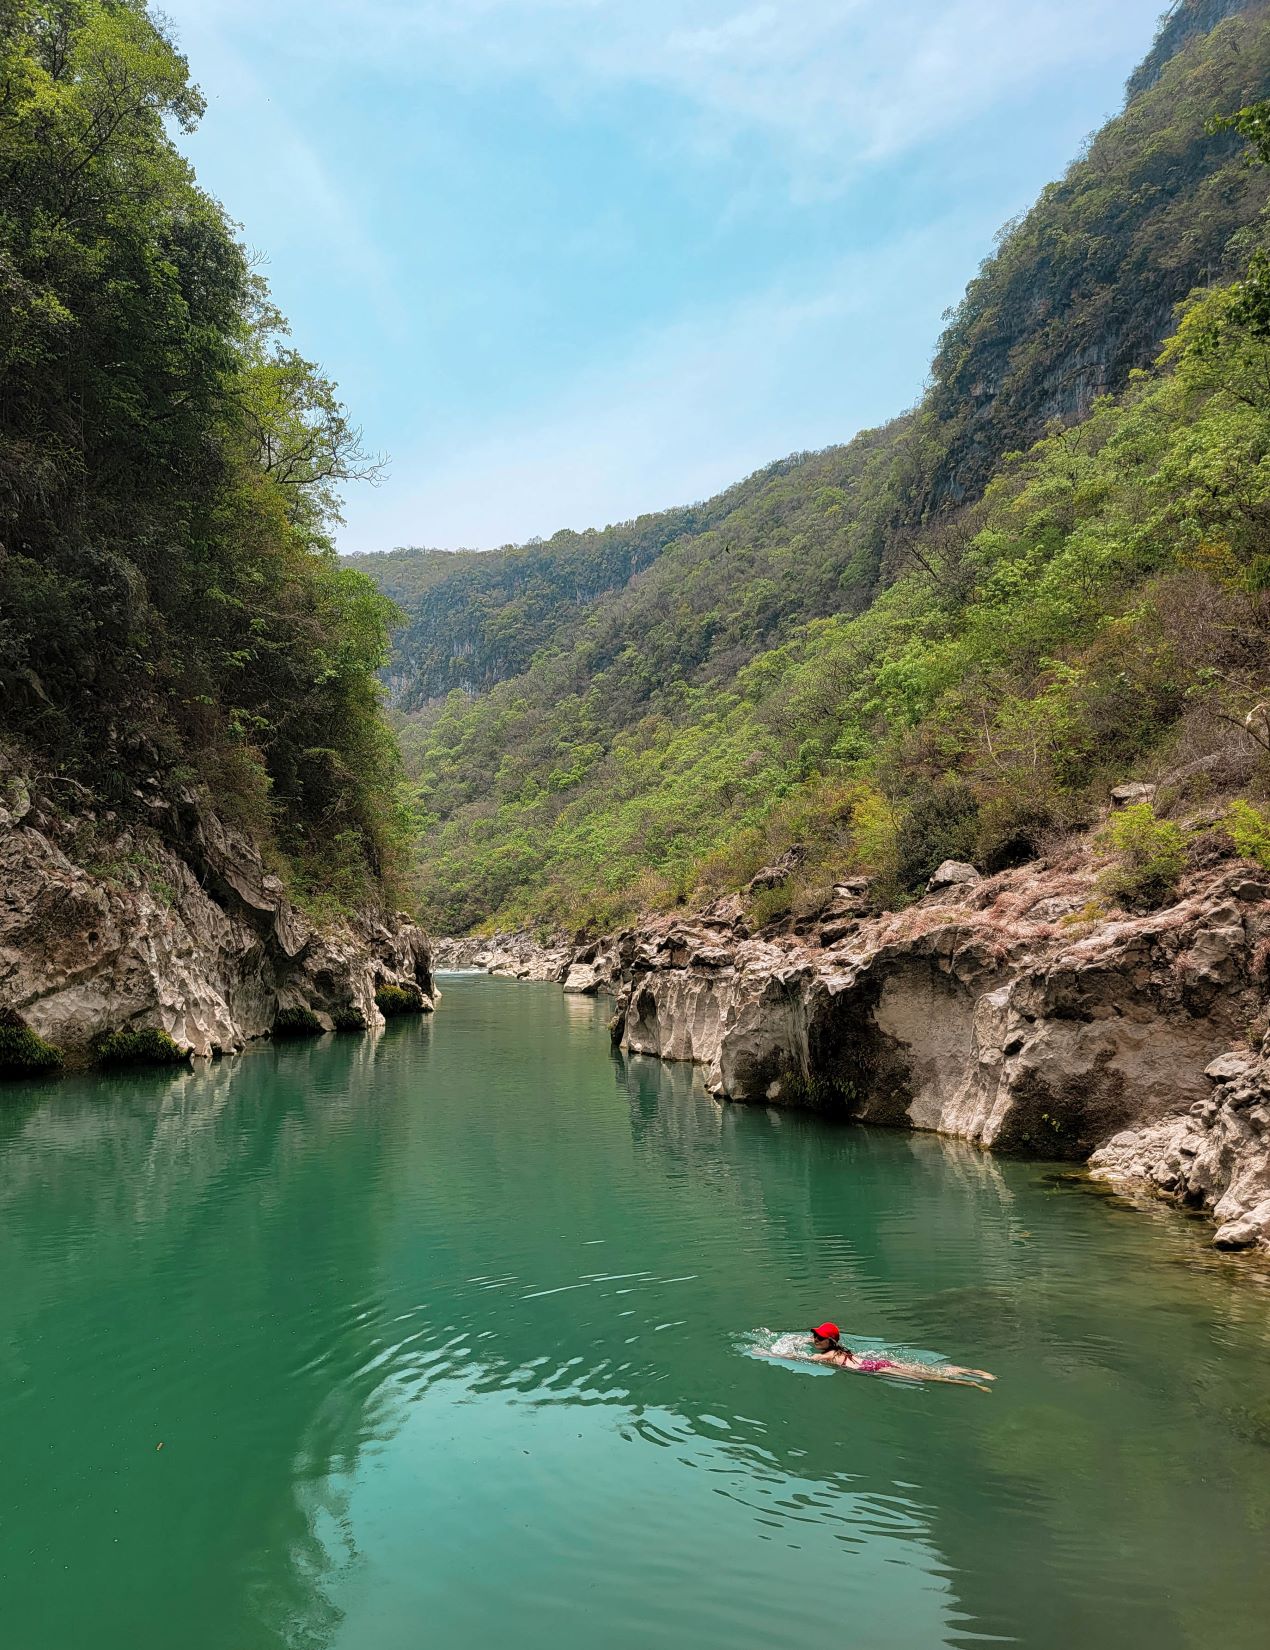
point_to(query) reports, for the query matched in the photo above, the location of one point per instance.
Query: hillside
(1078, 293)
(172, 614)
(916, 645)
(475, 618)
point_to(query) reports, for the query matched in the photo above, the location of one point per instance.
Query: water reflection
(446, 1324)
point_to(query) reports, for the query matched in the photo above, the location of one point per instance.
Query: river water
(439, 1339)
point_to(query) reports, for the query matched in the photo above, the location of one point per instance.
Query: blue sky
(570, 260)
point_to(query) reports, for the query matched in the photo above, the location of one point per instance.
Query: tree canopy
(171, 608)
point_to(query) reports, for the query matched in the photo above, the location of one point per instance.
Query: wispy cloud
(296, 186)
(836, 83)
(725, 258)
(690, 409)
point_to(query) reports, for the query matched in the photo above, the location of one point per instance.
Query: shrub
(145, 1047)
(21, 1051)
(941, 823)
(769, 904)
(1090, 912)
(392, 1000)
(349, 1018)
(874, 834)
(1013, 826)
(1149, 855)
(1249, 830)
(296, 1022)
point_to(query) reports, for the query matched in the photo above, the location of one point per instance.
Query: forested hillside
(172, 615)
(1079, 292)
(476, 618)
(871, 656)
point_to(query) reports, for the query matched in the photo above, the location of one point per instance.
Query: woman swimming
(827, 1348)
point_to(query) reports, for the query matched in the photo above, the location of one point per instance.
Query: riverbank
(1012, 1011)
(520, 956)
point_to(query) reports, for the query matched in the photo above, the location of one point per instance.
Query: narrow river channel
(439, 1339)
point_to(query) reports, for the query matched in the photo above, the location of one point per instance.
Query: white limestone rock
(953, 873)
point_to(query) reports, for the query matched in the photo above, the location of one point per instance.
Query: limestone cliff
(111, 921)
(1009, 1011)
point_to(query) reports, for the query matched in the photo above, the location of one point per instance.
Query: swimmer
(827, 1348)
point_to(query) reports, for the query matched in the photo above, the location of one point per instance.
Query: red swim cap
(827, 1331)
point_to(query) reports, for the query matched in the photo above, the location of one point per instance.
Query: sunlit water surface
(443, 1335)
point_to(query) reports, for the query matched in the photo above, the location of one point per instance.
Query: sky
(573, 260)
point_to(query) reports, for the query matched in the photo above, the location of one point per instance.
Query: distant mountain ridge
(476, 617)
(1080, 291)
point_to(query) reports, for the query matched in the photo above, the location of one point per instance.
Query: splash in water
(907, 1364)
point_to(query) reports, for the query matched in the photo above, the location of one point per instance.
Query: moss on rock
(22, 1053)
(349, 1018)
(392, 1000)
(144, 1047)
(297, 1022)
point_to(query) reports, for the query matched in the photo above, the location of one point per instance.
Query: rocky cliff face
(1184, 21)
(1008, 1011)
(514, 956)
(109, 924)
(1215, 1156)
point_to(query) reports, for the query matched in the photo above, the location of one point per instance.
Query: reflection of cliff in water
(156, 1212)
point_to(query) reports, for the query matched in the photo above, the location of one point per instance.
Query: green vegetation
(1106, 603)
(1249, 829)
(392, 1000)
(1079, 291)
(146, 1047)
(22, 1053)
(476, 618)
(171, 610)
(1148, 858)
(348, 1019)
(296, 1022)
(943, 640)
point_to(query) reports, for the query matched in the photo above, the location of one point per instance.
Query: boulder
(953, 873)
(1216, 1156)
(772, 876)
(1131, 794)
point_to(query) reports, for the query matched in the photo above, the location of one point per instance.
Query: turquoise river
(440, 1339)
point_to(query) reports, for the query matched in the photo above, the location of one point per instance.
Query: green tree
(169, 599)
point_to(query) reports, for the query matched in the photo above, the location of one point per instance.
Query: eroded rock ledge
(515, 956)
(109, 923)
(1005, 1010)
